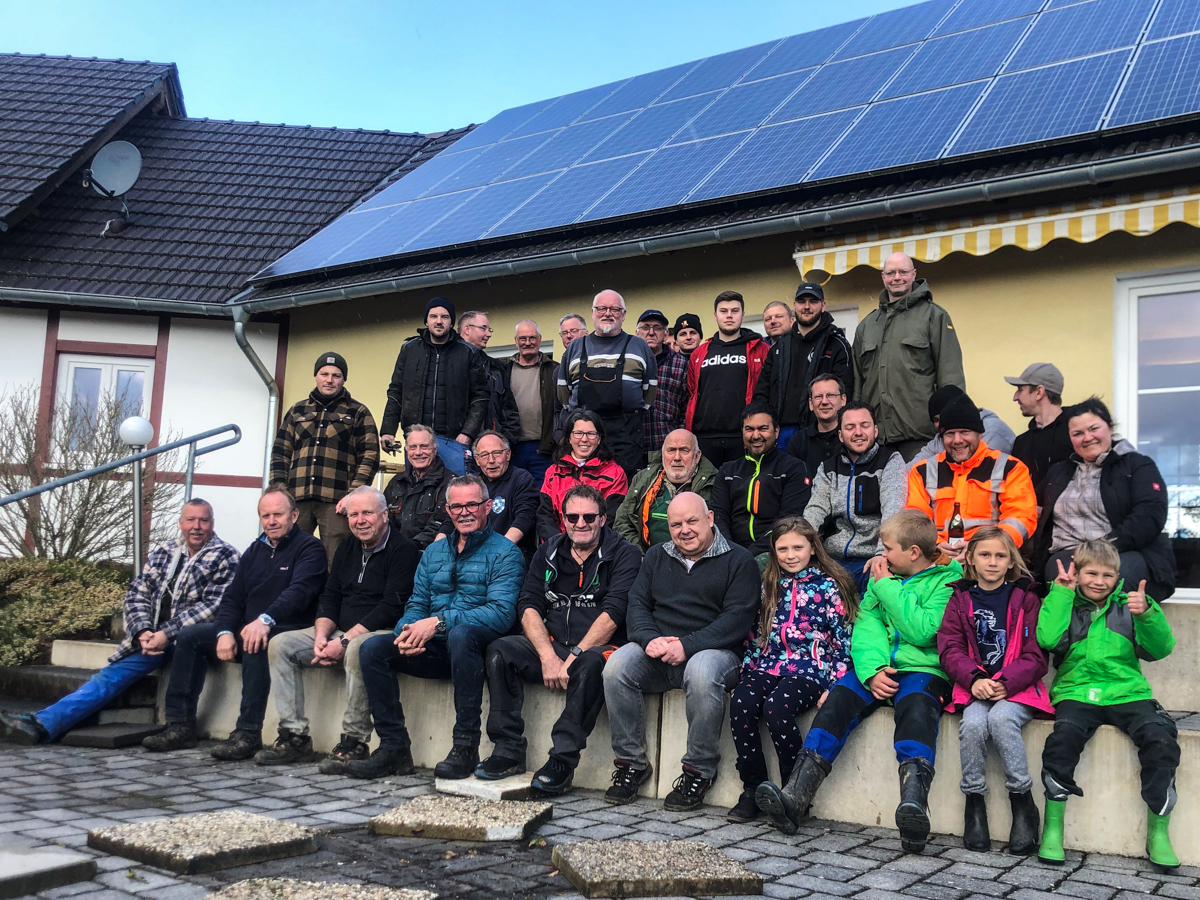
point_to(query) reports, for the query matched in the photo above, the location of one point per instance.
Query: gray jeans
(1002, 721)
(705, 678)
(292, 652)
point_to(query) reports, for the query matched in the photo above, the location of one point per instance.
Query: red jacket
(564, 473)
(756, 354)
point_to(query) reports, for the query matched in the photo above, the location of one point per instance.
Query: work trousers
(103, 687)
(778, 700)
(1002, 721)
(322, 515)
(720, 450)
(626, 440)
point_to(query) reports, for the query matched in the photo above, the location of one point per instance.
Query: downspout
(240, 318)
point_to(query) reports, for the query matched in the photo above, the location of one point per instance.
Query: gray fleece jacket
(850, 499)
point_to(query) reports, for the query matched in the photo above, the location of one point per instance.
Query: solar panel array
(940, 79)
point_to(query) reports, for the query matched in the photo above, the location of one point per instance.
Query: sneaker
(745, 810)
(460, 762)
(22, 729)
(288, 748)
(496, 767)
(687, 793)
(553, 778)
(241, 744)
(348, 749)
(388, 759)
(626, 781)
(175, 736)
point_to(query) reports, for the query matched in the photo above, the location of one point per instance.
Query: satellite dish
(115, 168)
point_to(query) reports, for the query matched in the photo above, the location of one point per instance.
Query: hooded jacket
(997, 434)
(750, 494)
(418, 505)
(826, 352)
(851, 499)
(284, 581)
(756, 350)
(564, 473)
(632, 516)
(443, 386)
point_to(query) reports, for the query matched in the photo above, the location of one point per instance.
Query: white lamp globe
(136, 431)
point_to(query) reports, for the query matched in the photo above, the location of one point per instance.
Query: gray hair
(490, 433)
(614, 293)
(419, 427)
(367, 491)
(468, 315)
(581, 319)
(197, 501)
(469, 481)
(535, 325)
(791, 312)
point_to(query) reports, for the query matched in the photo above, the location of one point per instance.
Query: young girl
(799, 647)
(988, 646)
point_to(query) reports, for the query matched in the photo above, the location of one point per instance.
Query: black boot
(975, 826)
(243, 743)
(460, 762)
(912, 815)
(787, 806)
(1023, 838)
(388, 759)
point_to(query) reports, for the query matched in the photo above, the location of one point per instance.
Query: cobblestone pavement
(53, 795)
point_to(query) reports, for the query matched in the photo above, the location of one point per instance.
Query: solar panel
(1174, 17)
(896, 27)
(746, 106)
(565, 110)
(957, 59)
(478, 215)
(1092, 27)
(719, 72)
(498, 126)
(337, 234)
(638, 92)
(491, 164)
(426, 177)
(570, 196)
(802, 51)
(841, 84)
(974, 13)
(1161, 84)
(568, 146)
(406, 222)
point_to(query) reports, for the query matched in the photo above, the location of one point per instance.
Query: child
(1097, 632)
(799, 647)
(894, 653)
(988, 646)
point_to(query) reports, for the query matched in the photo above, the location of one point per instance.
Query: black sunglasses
(588, 518)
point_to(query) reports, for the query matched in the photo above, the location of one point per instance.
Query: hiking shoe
(626, 781)
(496, 767)
(288, 748)
(687, 793)
(241, 744)
(745, 810)
(348, 749)
(460, 762)
(22, 729)
(388, 759)
(175, 736)
(553, 778)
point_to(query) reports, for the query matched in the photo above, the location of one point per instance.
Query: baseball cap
(810, 287)
(1045, 374)
(653, 315)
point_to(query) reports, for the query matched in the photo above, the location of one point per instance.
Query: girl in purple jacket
(799, 647)
(988, 646)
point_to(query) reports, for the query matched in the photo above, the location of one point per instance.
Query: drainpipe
(240, 318)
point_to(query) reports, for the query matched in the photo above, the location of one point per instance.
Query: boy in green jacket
(1097, 633)
(894, 650)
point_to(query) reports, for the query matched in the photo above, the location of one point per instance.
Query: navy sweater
(283, 581)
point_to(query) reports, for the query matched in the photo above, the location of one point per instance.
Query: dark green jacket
(628, 522)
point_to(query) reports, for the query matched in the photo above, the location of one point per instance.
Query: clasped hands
(669, 649)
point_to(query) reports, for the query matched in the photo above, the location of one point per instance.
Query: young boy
(894, 651)
(1097, 633)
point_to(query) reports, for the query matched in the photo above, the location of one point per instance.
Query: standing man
(688, 334)
(819, 440)
(570, 327)
(1047, 440)
(438, 381)
(613, 374)
(722, 374)
(531, 378)
(326, 447)
(777, 320)
(815, 346)
(502, 414)
(903, 352)
(666, 413)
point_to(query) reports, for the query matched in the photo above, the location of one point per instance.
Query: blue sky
(398, 65)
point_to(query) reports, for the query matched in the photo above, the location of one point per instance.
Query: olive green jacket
(629, 516)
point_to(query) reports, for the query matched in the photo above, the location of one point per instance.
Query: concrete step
(48, 684)
(82, 654)
(139, 716)
(28, 870)
(110, 737)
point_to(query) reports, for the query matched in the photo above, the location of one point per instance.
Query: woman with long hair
(583, 456)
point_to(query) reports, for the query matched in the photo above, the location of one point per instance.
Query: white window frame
(68, 362)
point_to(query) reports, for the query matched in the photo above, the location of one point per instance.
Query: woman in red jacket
(583, 457)
(988, 646)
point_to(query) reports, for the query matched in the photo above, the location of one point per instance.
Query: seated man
(276, 589)
(818, 441)
(997, 434)
(464, 597)
(181, 584)
(690, 610)
(515, 495)
(642, 516)
(417, 496)
(371, 579)
(572, 610)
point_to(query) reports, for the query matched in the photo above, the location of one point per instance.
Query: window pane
(129, 392)
(85, 404)
(1169, 341)
(1169, 432)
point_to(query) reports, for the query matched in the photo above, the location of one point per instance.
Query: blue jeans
(195, 648)
(786, 433)
(854, 567)
(453, 455)
(110, 682)
(525, 456)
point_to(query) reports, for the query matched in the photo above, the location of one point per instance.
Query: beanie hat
(689, 320)
(331, 359)
(960, 412)
(443, 303)
(941, 397)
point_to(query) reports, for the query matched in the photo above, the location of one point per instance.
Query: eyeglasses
(611, 310)
(457, 509)
(817, 397)
(588, 518)
(495, 454)
(487, 328)
(528, 340)
(572, 332)
(585, 435)
(653, 329)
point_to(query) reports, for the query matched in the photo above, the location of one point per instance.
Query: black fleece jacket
(377, 601)
(283, 581)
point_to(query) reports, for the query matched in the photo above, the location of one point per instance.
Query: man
(572, 612)
(417, 496)
(819, 440)
(642, 516)
(531, 377)
(326, 447)
(613, 374)
(438, 381)
(903, 352)
(464, 597)
(855, 491)
(997, 434)
(571, 326)
(688, 334)
(371, 578)
(722, 373)
(502, 414)
(815, 346)
(276, 589)
(690, 609)
(181, 584)
(777, 320)
(515, 495)
(752, 492)
(987, 486)
(1046, 441)
(666, 413)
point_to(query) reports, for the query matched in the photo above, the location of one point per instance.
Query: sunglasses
(588, 518)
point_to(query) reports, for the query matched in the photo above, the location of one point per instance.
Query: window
(85, 381)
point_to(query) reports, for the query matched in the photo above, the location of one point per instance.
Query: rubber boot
(1158, 842)
(975, 825)
(1023, 836)
(1051, 849)
(786, 807)
(912, 815)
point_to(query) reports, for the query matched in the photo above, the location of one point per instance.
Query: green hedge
(41, 600)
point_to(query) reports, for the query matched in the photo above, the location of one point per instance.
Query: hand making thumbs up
(1136, 600)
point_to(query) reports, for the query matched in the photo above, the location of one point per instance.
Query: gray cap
(1044, 374)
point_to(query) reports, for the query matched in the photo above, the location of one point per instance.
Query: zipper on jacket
(849, 517)
(787, 624)
(752, 493)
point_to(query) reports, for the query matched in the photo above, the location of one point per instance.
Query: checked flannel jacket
(197, 594)
(666, 412)
(323, 451)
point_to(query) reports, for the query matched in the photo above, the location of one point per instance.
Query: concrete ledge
(82, 654)
(29, 870)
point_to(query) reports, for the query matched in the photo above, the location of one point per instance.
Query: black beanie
(332, 359)
(444, 304)
(960, 412)
(941, 397)
(689, 320)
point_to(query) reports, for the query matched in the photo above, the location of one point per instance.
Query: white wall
(115, 328)
(24, 344)
(235, 510)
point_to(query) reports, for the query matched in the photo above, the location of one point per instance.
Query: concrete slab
(111, 736)
(275, 888)
(653, 869)
(206, 842)
(515, 788)
(28, 870)
(462, 819)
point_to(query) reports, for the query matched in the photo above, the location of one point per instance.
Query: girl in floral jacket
(799, 647)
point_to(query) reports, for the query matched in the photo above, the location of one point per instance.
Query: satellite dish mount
(115, 169)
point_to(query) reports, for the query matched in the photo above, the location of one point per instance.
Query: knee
(588, 664)
(495, 660)
(469, 639)
(1160, 740)
(973, 728)
(188, 637)
(374, 652)
(710, 671)
(623, 664)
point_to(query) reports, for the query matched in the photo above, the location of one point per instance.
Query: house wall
(24, 333)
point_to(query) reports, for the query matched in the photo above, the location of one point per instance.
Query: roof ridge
(307, 127)
(135, 62)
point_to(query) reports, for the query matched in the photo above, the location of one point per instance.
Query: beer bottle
(955, 529)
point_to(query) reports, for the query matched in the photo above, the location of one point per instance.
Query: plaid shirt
(198, 590)
(666, 413)
(322, 452)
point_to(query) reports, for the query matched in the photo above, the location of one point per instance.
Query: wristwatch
(576, 650)
(345, 641)
(441, 625)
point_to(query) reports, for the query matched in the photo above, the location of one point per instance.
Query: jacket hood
(823, 325)
(319, 398)
(745, 336)
(920, 293)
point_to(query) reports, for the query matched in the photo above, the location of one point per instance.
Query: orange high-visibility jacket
(991, 487)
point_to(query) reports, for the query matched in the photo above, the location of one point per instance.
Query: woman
(1105, 490)
(583, 457)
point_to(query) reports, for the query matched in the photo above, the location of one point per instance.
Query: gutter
(138, 304)
(1161, 162)
(240, 318)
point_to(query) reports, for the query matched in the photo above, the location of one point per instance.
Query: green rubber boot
(1158, 842)
(1051, 850)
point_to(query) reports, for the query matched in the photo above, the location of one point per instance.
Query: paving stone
(919, 865)
(463, 819)
(1028, 877)
(1118, 880)
(996, 860)
(275, 888)
(808, 882)
(517, 787)
(1084, 890)
(970, 885)
(878, 894)
(933, 892)
(205, 842)
(833, 873)
(653, 869)
(27, 870)
(973, 871)
(887, 879)
(842, 860)
(777, 865)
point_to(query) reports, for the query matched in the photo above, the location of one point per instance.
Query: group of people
(817, 523)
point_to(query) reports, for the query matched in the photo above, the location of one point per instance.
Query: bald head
(899, 273)
(680, 456)
(691, 525)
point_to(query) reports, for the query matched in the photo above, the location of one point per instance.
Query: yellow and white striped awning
(1139, 214)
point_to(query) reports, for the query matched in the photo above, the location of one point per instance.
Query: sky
(397, 65)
